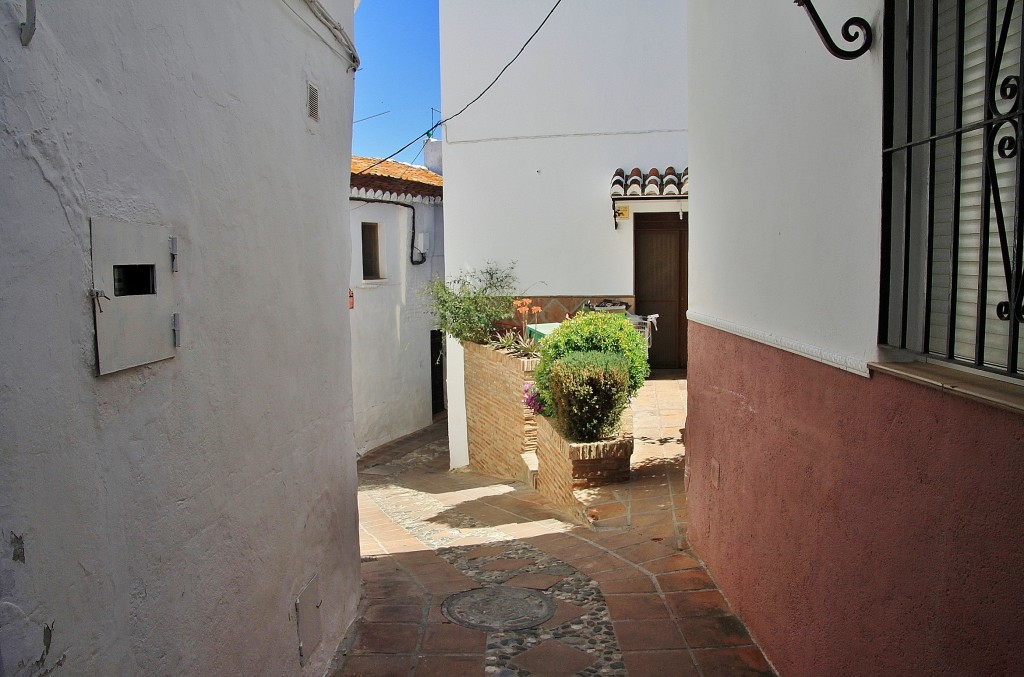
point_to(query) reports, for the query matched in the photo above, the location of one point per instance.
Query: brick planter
(505, 435)
(564, 466)
(500, 427)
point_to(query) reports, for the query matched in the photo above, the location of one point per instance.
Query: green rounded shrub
(588, 393)
(604, 332)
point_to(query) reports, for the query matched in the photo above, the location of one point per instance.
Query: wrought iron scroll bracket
(854, 29)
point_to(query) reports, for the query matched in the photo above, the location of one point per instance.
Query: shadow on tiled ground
(630, 597)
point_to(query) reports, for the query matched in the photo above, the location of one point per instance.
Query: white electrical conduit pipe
(336, 29)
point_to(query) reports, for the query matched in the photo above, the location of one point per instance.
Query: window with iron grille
(952, 284)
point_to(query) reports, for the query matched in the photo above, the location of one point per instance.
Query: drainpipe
(412, 238)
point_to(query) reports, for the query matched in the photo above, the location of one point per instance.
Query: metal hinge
(176, 328)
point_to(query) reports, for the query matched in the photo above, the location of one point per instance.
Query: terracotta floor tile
(648, 635)
(387, 638)
(674, 663)
(553, 540)
(598, 563)
(376, 665)
(552, 658)
(612, 523)
(446, 587)
(606, 510)
(643, 552)
(392, 589)
(675, 562)
(535, 581)
(742, 662)
(434, 614)
(692, 604)
(635, 606)
(714, 631)
(564, 612)
(403, 546)
(638, 583)
(577, 548)
(651, 519)
(527, 530)
(693, 579)
(394, 613)
(651, 505)
(621, 539)
(450, 666)
(452, 638)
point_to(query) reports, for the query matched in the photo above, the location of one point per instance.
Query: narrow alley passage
(622, 596)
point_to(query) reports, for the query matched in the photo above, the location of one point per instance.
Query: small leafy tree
(467, 306)
(606, 332)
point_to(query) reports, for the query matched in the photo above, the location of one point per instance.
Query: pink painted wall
(860, 526)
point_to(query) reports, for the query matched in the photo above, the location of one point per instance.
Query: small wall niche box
(133, 295)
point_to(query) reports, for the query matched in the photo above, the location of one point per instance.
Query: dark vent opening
(134, 280)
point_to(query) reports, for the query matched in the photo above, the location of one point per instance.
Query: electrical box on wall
(133, 294)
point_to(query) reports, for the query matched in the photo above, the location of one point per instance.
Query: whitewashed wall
(785, 179)
(171, 513)
(528, 166)
(391, 325)
(602, 86)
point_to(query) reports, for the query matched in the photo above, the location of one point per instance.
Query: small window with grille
(953, 236)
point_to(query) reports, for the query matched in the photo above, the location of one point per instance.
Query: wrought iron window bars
(953, 236)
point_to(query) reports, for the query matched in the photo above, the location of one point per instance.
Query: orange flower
(536, 309)
(523, 310)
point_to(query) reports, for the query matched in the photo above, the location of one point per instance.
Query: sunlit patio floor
(625, 594)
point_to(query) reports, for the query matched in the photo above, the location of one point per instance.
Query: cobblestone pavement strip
(630, 598)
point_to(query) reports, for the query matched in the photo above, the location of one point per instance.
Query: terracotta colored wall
(861, 526)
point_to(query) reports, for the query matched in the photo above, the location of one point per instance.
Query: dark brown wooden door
(660, 247)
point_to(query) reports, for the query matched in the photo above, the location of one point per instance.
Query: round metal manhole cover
(499, 608)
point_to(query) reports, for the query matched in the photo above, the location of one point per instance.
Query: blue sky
(398, 45)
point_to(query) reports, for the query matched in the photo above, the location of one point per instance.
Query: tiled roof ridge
(395, 179)
(652, 183)
(396, 169)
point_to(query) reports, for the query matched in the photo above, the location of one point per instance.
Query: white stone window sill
(372, 284)
(973, 386)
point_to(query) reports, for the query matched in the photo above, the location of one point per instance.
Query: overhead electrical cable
(476, 98)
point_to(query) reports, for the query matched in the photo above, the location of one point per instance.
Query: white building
(853, 440)
(164, 505)
(397, 247)
(601, 87)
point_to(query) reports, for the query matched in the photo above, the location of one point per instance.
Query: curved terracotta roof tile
(655, 182)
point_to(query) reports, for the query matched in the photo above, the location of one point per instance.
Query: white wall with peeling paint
(172, 512)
